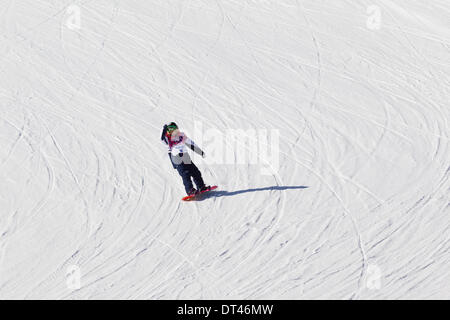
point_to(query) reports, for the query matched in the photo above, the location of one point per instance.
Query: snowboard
(195, 196)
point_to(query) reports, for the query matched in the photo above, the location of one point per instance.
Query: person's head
(171, 127)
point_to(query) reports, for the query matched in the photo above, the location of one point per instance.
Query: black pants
(189, 172)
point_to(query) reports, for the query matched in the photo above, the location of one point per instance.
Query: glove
(163, 134)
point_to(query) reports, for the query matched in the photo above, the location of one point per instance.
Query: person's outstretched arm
(191, 144)
(165, 140)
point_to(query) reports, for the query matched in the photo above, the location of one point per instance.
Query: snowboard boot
(205, 188)
(192, 192)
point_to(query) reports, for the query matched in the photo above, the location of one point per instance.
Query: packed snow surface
(352, 202)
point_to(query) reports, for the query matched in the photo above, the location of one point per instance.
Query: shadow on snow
(220, 193)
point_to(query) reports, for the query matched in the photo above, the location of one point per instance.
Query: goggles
(171, 129)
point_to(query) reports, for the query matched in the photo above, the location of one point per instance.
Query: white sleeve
(191, 144)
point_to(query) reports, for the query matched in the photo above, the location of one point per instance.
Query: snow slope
(357, 206)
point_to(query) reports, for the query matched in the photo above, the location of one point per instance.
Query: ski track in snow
(364, 122)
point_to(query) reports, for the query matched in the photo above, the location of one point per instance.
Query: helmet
(171, 127)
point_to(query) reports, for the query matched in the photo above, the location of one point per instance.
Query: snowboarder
(178, 143)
